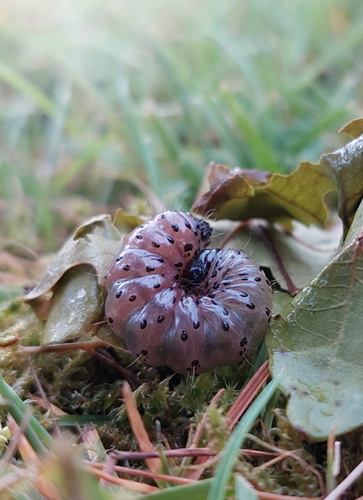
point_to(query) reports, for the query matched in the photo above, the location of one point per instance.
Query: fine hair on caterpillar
(176, 302)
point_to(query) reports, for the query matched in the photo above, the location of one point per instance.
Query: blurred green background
(107, 104)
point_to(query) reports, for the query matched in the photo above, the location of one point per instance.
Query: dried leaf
(96, 243)
(354, 128)
(244, 194)
(70, 295)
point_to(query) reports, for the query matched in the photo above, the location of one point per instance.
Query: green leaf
(77, 302)
(105, 333)
(244, 194)
(244, 490)
(345, 167)
(318, 340)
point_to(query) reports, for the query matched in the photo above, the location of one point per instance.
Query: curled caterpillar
(177, 303)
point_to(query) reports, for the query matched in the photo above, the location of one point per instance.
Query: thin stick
(44, 398)
(17, 431)
(264, 495)
(104, 356)
(126, 483)
(234, 232)
(182, 452)
(348, 481)
(72, 346)
(247, 395)
(200, 428)
(145, 473)
(138, 428)
(239, 406)
(40, 402)
(270, 244)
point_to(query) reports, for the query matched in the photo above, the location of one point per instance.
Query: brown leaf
(354, 128)
(244, 194)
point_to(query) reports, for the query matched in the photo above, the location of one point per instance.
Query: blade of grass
(138, 428)
(35, 433)
(23, 85)
(215, 114)
(331, 54)
(244, 490)
(143, 145)
(263, 157)
(167, 137)
(195, 491)
(224, 468)
(64, 176)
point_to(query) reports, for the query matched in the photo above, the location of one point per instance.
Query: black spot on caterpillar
(196, 318)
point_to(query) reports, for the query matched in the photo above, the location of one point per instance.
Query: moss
(87, 388)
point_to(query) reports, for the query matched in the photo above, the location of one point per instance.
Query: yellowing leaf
(76, 303)
(70, 295)
(244, 194)
(95, 243)
(354, 128)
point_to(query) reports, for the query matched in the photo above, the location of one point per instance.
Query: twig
(200, 428)
(125, 483)
(44, 398)
(346, 483)
(145, 473)
(247, 395)
(28, 454)
(240, 405)
(179, 453)
(264, 495)
(39, 401)
(182, 452)
(233, 232)
(270, 244)
(106, 357)
(71, 346)
(17, 431)
(138, 428)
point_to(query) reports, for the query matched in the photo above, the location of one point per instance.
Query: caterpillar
(177, 303)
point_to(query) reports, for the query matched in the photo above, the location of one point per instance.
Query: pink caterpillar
(178, 304)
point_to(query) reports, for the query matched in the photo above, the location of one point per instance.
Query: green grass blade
(243, 489)
(23, 85)
(194, 491)
(143, 144)
(65, 176)
(223, 471)
(167, 137)
(35, 433)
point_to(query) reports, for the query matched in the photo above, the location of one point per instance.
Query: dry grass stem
(138, 427)
(125, 483)
(71, 346)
